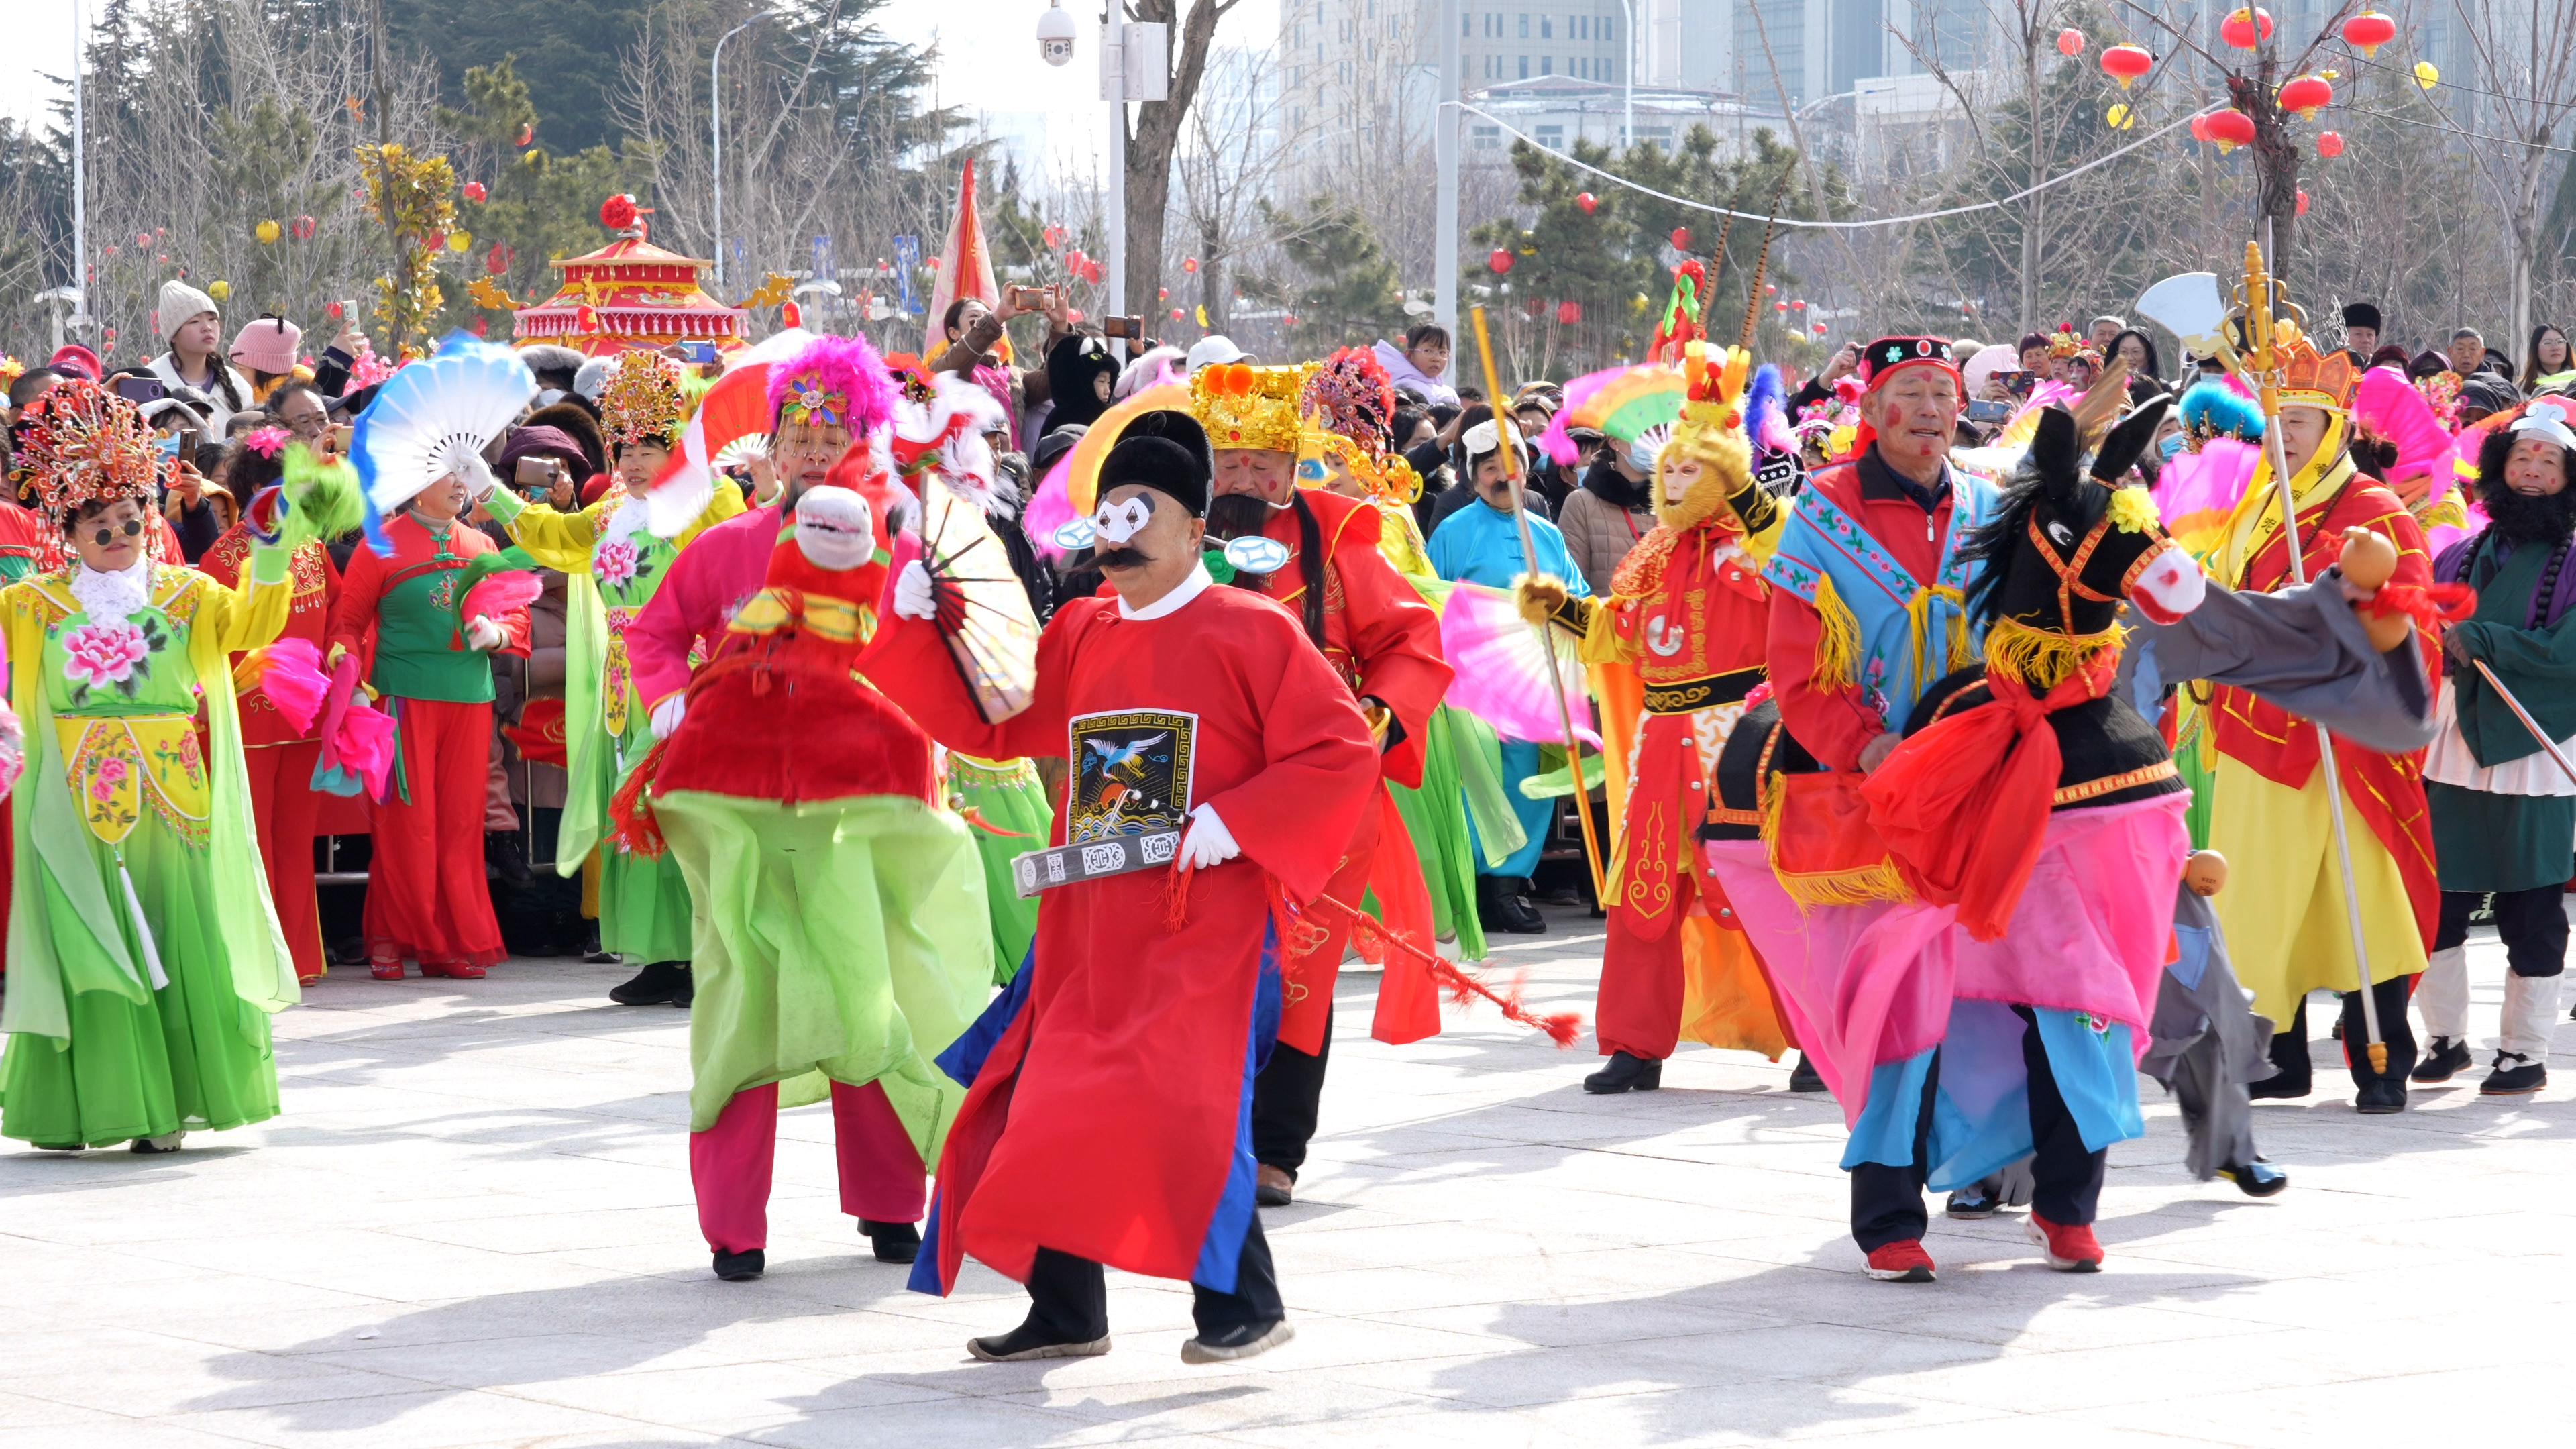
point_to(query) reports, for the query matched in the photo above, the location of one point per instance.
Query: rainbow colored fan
(1628, 405)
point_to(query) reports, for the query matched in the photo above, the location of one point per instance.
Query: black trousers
(1887, 1202)
(1069, 1296)
(2532, 924)
(2290, 1048)
(1286, 1096)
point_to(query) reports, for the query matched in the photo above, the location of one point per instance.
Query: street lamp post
(80, 179)
(1628, 74)
(1444, 150)
(715, 134)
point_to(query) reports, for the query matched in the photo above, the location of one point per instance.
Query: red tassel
(1176, 897)
(638, 832)
(1464, 987)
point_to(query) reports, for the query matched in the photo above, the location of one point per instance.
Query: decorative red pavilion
(630, 294)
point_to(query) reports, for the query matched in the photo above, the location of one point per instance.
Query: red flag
(965, 269)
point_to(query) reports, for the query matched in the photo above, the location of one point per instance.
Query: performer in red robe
(427, 897)
(1689, 612)
(1110, 1119)
(1374, 630)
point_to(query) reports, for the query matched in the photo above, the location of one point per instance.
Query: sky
(989, 63)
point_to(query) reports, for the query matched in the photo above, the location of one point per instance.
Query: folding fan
(429, 416)
(1502, 672)
(984, 615)
(735, 408)
(1624, 404)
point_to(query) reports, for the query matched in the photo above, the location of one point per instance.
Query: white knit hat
(179, 302)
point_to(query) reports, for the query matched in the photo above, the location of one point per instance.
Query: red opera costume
(279, 757)
(427, 898)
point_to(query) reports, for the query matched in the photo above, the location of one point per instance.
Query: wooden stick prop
(1547, 646)
(2265, 366)
(2556, 755)
(1761, 264)
(1562, 1027)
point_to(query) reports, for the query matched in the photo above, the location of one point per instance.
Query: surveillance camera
(1055, 36)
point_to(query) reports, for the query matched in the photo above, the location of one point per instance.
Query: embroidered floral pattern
(616, 562)
(117, 656)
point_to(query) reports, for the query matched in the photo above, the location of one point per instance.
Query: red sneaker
(1904, 1262)
(2068, 1248)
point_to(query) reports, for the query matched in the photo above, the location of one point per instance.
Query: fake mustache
(1236, 515)
(1126, 556)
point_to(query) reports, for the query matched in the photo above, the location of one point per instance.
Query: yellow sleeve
(251, 614)
(555, 540)
(1601, 641)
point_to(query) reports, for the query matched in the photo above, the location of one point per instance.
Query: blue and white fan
(428, 417)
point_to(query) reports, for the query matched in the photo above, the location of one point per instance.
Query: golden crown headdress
(2310, 379)
(644, 401)
(1243, 406)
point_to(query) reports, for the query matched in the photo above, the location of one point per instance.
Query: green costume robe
(2491, 835)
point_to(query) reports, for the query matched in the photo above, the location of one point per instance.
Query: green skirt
(194, 1058)
(838, 941)
(2488, 842)
(1005, 796)
(644, 910)
(1436, 817)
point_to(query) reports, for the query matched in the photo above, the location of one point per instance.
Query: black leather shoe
(1803, 1078)
(1977, 1200)
(655, 985)
(2280, 1086)
(894, 1242)
(1625, 1073)
(2380, 1097)
(2447, 1059)
(741, 1267)
(686, 992)
(1500, 907)
(501, 853)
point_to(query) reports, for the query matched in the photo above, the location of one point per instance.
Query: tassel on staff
(1562, 1027)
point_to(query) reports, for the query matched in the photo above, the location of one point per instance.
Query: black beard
(2548, 518)
(1236, 515)
(1121, 558)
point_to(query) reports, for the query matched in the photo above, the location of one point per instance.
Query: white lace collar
(1172, 603)
(111, 598)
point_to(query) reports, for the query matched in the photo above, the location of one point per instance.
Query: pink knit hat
(268, 345)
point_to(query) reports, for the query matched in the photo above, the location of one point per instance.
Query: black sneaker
(655, 985)
(2280, 1087)
(2515, 1075)
(2380, 1098)
(2257, 1178)
(741, 1267)
(1245, 1340)
(2447, 1058)
(1803, 1078)
(1977, 1201)
(1625, 1073)
(1028, 1341)
(894, 1242)
(166, 1142)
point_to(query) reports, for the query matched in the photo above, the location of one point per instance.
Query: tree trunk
(2276, 165)
(1157, 134)
(1212, 290)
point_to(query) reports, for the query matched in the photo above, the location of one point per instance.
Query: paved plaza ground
(473, 1227)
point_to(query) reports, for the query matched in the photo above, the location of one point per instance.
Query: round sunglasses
(107, 535)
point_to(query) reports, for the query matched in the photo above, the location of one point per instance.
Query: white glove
(483, 636)
(666, 715)
(1209, 842)
(914, 595)
(471, 471)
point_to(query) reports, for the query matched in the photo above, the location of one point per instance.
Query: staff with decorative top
(144, 955)
(615, 564)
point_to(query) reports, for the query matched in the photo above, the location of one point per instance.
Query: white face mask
(1119, 522)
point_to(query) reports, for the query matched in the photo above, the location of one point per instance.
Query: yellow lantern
(266, 231)
(2120, 117)
(2426, 76)
(458, 241)
(220, 290)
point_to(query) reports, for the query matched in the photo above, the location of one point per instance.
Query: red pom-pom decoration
(618, 212)
(1499, 261)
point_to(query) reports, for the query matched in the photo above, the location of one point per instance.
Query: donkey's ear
(2056, 448)
(2122, 448)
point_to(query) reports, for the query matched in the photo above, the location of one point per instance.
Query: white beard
(111, 598)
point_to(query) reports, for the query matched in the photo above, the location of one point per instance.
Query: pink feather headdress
(834, 380)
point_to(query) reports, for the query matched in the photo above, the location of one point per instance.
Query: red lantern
(1587, 201)
(1797, 304)
(2070, 42)
(1820, 329)
(1163, 294)
(2307, 95)
(2125, 63)
(1176, 314)
(1569, 312)
(2246, 28)
(1533, 306)
(2368, 31)
(1189, 264)
(2303, 204)
(143, 238)
(586, 319)
(474, 192)
(2229, 128)
(1681, 238)
(478, 327)
(1499, 261)
(2329, 144)
(304, 227)
(1768, 289)
(527, 133)
(497, 260)
(789, 314)
(2200, 128)
(435, 241)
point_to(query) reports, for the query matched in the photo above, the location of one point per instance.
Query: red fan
(984, 613)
